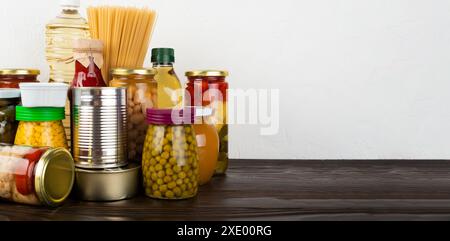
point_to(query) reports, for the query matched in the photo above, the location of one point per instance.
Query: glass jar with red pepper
(208, 88)
(35, 176)
(10, 78)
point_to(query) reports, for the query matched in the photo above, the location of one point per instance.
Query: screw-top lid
(40, 113)
(54, 176)
(207, 73)
(70, 3)
(163, 56)
(19, 72)
(6, 93)
(185, 116)
(128, 72)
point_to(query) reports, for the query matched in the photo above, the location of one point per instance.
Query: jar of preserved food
(35, 176)
(142, 95)
(170, 161)
(41, 127)
(9, 99)
(209, 88)
(207, 143)
(10, 78)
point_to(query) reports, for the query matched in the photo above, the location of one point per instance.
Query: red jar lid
(185, 116)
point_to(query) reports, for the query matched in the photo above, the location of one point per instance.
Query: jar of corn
(170, 160)
(41, 127)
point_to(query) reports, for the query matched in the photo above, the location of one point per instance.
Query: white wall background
(358, 78)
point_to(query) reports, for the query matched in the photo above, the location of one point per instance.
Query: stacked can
(99, 144)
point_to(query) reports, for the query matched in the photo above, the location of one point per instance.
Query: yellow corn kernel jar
(41, 127)
(170, 161)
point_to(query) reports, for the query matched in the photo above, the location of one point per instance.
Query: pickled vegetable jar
(9, 99)
(10, 78)
(170, 161)
(35, 176)
(209, 88)
(142, 95)
(41, 127)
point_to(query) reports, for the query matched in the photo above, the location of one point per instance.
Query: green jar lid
(163, 56)
(40, 113)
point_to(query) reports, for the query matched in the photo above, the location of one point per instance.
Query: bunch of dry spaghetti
(125, 32)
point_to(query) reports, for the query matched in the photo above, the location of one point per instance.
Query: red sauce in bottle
(88, 77)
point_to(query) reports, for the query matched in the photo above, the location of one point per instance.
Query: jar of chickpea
(170, 161)
(41, 127)
(142, 95)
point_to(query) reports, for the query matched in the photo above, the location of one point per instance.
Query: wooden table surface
(285, 190)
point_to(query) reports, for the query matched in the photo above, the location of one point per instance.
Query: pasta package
(126, 33)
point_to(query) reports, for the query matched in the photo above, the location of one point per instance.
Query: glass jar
(170, 161)
(9, 99)
(41, 127)
(35, 176)
(88, 56)
(207, 143)
(141, 95)
(208, 88)
(10, 78)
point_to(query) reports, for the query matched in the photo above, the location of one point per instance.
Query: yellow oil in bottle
(60, 35)
(169, 88)
(170, 92)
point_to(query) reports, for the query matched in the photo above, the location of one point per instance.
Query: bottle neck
(162, 65)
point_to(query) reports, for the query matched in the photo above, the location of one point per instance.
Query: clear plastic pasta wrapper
(35, 176)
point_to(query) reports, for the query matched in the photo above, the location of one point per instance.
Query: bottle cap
(185, 116)
(163, 55)
(70, 3)
(40, 114)
(7, 93)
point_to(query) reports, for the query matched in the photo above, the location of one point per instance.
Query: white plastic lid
(70, 3)
(42, 86)
(9, 93)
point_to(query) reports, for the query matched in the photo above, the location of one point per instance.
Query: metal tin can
(108, 184)
(99, 127)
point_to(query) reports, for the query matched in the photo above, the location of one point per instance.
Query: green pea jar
(170, 161)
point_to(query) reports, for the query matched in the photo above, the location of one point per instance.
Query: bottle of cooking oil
(169, 86)
(61, 32)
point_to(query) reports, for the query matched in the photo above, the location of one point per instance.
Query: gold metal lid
(54, 176)
(126, 72)
(20, 72)
(207, 73)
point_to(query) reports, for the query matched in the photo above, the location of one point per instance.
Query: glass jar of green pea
(170, 159)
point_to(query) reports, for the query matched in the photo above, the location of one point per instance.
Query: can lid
(6, 93)
(127, 72)
(163, 55)
(54, 178)
(185, 116)
(19, 72)
(207, 73)
(40, 113)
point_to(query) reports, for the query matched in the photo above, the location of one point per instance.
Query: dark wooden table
(285, 190)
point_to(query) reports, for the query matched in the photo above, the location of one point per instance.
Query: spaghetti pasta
(126, 33)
